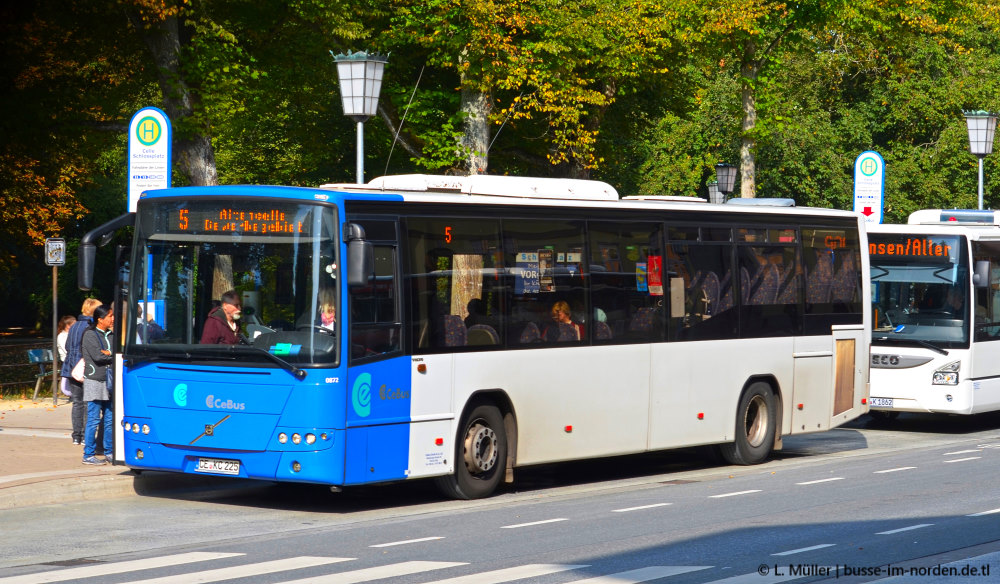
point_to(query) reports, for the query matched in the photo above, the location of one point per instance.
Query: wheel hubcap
(480, 449)
(757, 421)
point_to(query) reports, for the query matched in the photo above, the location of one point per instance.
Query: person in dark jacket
(221, 326)
(96, 347)
(73, 355)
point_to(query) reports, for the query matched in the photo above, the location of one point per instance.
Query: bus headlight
(947, 375)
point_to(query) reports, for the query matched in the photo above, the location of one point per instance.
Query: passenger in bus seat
(556, 331)
(221, 326)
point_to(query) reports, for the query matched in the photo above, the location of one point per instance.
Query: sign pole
(55, 256)
(55, 336)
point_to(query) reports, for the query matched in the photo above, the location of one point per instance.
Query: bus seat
(642, 321)
(602, 332)
(530, 334)
(766, 287)
(844, 282)
(455, 334)
(483, 334)
(820, 278)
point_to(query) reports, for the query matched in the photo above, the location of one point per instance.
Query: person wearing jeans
(73, 355)
(97, 356)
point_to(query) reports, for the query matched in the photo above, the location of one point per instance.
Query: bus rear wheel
(756, 423)
(480, 455)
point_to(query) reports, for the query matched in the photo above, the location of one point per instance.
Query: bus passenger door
(379, 392)
(830, 379)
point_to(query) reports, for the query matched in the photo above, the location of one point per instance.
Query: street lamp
(714, 195)
(360, 76)
(982, 125)
(726, 175)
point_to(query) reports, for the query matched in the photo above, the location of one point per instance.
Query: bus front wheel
(756, 423)
(480, 455)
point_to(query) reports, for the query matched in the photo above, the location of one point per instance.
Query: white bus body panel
(912, 391)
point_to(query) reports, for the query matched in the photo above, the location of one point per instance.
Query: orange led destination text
(912, 247)
(252, 222)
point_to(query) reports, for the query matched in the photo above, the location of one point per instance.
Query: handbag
(77, 372)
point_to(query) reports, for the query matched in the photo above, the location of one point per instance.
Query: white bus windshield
(230, 280)
(920, 289)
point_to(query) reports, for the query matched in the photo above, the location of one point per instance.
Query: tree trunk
(748, 166)
(475, 138)
(193, 153)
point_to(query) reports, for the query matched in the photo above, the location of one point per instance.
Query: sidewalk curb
(97, 487)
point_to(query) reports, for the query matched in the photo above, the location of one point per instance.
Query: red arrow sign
(867, 212)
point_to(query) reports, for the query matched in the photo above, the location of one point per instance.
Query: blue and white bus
(482, 324)
(936, 295)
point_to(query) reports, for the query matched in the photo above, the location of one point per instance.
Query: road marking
(376, 573)
(115, 568)
(902, 529)
(961, 452)
(508, 574)
(734, 494)
(404, 542)
(641, 575)
(244, 571)
(640, 508)
(962, 459)
(805, 549)
(990, 512)
(821, 481)
(534, 523)
(894, 469)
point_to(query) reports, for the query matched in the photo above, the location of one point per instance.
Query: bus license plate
(881, 402)
(218, 465)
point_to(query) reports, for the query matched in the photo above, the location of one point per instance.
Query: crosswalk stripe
(509, 574)
(641, 575)
(244, 571)
(376, 573)
(115, 568)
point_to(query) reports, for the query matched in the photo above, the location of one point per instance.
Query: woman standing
(63, 332)
(96, 348)
(73, 356)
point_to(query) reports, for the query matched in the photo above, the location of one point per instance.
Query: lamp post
(982, 125)
(360, 77)
(726, 175)
(714, 195)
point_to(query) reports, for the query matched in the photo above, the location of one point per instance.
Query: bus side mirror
(85, 266)
(981, 275)
(360, 256)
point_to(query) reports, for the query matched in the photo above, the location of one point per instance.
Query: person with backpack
(97, 345)
(73, 356)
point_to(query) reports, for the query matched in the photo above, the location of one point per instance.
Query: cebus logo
(181, 394)
(219, 404)
(361, 395)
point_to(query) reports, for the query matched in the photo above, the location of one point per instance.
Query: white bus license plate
(881, 402)
(218, 465)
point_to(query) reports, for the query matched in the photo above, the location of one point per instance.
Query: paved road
(846, 505)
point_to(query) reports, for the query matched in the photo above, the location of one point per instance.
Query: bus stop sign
(869, 186)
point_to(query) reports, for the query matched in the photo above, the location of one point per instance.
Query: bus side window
(456, 284)
(375, 325)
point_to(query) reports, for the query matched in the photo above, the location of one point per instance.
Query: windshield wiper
(209, 352)
(920, 342)
(299, 374)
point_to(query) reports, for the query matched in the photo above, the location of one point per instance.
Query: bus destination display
(237, 221)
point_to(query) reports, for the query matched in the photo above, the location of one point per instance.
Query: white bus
(936, 301)
(483, 324)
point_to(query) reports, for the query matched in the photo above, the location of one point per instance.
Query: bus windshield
(920, 289)
(227, 280)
